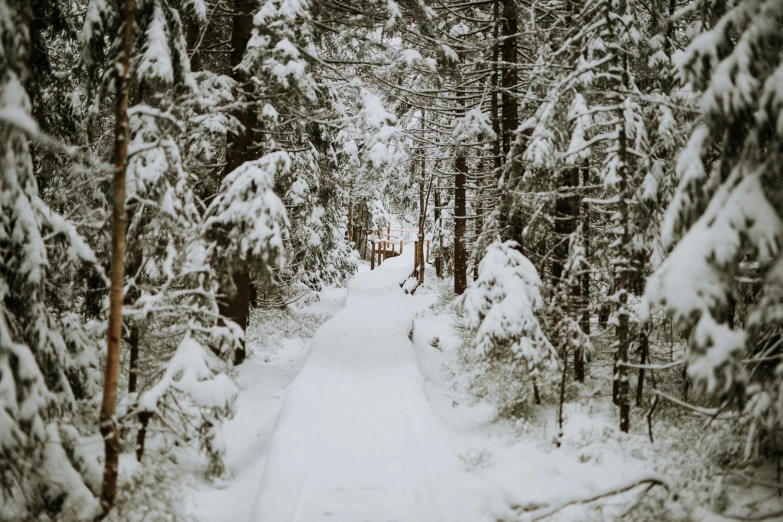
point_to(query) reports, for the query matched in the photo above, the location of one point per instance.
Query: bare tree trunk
(349, 232)
(561, 404)
(566, 218)
(358, 228)
(420, 245)
(622, 267)
(436, 213)
(511, 218)
(579, 357)
(134, 342)
(239, 149)
(566, 214)
(493, 100)
(508, 79)
(644, 342)
(460, 252)
(477, 208)
(108, 423)
(141, 435)
(192, 32)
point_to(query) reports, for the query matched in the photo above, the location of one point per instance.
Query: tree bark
(239, 149)
(479, 211)
(436, 215)
(566, 215)
(349, 232)
(493, 99)
(141, 435)
(511, 223)
(567, 209)
(508, 79)
(192, 33)
(133, 370)
(108, 423)
(622, 266)
(584, 323)
(422, 210)
(460, 252)
(644, 344)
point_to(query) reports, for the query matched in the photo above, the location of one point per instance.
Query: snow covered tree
(503, 306)
(181, 251)
(724, 224)
(45, 359)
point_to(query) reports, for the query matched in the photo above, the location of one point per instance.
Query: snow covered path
(357, 439)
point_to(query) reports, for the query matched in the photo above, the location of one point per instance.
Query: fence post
(401, 243)
(372, 255)
(415, 255)
(427, 257)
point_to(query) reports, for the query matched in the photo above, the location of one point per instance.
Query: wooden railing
(385, 241)
(382, 247)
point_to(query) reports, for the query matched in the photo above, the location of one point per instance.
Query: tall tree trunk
(584, 323)
(566, 213)
(644, 345)
(623, 265)
(192, 33)
(509, 74)
(479, 210)
(134, 343)
(512, 226)
(108, 423)
(358, 228)
(460, 252)
(239, 149)
(436, 214)
(349, 232)
(493, 99)
(422, 209)
(566, 218)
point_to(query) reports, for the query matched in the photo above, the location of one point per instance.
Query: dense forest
(595, 188)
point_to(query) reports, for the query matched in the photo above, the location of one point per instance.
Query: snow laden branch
(246, 220)
(195, 373)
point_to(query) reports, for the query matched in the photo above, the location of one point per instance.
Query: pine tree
(724, 223)
(40, 360)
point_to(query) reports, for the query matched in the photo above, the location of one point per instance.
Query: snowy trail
(356, 439)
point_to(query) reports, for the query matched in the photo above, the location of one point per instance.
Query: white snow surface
(375, 423)
(357, 439)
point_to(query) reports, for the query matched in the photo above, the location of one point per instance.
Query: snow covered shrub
(725, 223)
(501, 309)
(150, 493)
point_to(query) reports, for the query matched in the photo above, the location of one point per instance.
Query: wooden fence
(384, 245)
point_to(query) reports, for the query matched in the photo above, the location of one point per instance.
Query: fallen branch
(539, 513)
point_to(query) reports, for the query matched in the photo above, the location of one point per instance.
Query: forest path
(356, 439)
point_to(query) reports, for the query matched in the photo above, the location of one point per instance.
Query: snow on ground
(357, 439)
(278, 342)
(530, 468)
(369, 426)
(367, 417)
